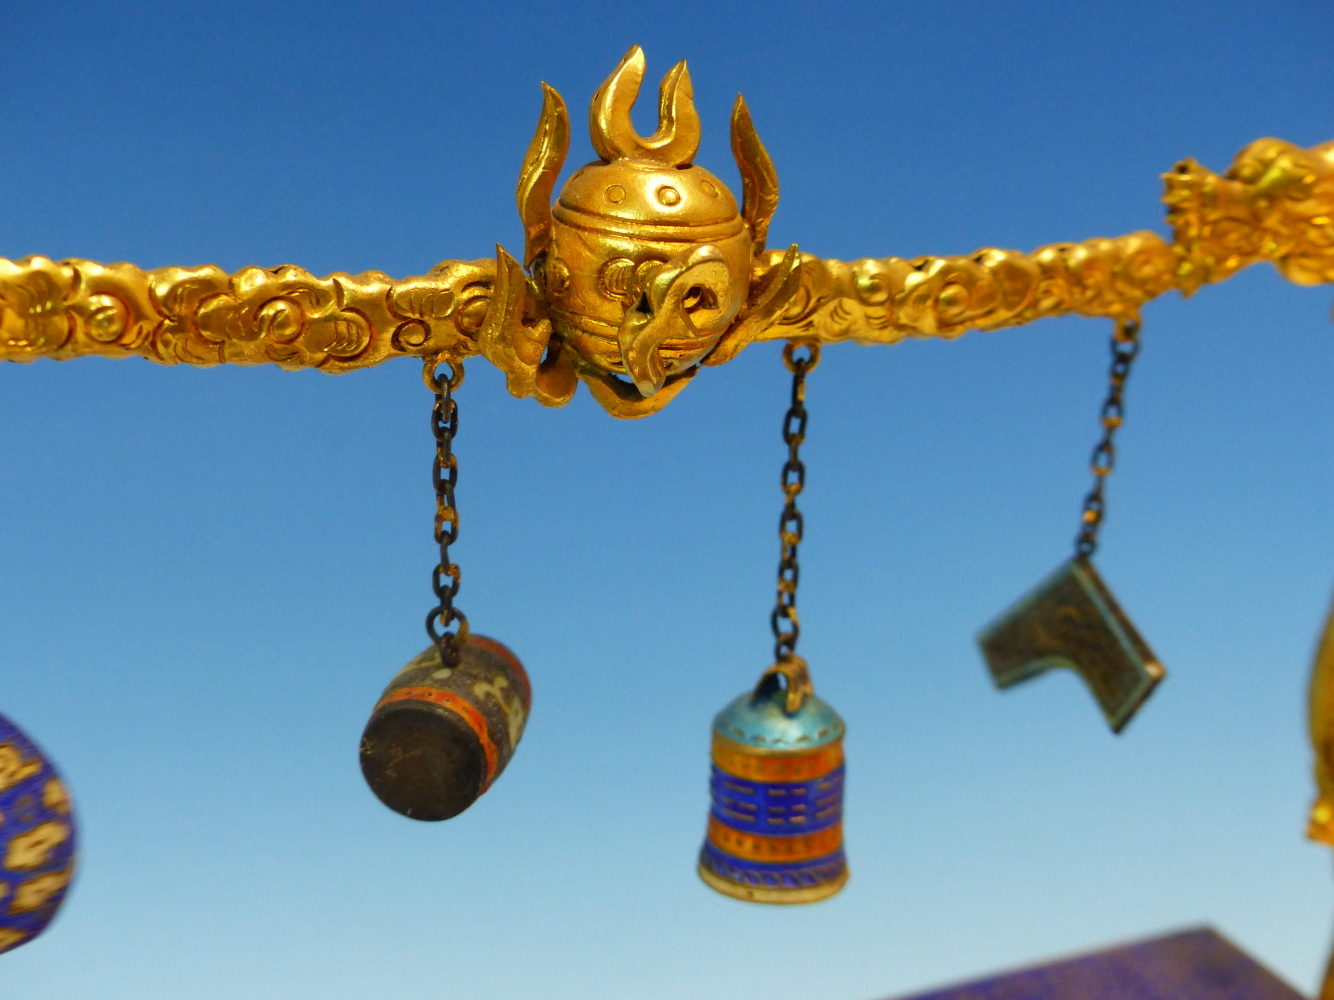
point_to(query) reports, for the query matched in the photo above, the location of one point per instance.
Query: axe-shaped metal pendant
(1071, 620)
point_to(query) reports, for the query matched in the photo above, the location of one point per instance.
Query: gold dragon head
(1272, 204)
(644, 264)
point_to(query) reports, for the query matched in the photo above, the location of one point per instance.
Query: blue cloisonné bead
(36, 839)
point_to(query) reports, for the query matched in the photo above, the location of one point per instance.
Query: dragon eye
(699, 298)
(616, 278)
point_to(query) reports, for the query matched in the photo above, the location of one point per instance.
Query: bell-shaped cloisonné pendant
(440, 735)
(36, 839)
(776, 827)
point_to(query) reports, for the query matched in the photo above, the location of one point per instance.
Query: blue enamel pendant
(36, 839)
(775, 830)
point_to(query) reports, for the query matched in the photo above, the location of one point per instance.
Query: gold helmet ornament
(645, 267)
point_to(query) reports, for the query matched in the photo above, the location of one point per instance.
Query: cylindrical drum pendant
(36, 839)
(776, 827)
(439, 736)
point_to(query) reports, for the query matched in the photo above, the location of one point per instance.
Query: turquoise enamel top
(760, 721)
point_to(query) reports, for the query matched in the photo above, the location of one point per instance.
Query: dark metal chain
(783, 620)
(1125, 346)
(444, 474)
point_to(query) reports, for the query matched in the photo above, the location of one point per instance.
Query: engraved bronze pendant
(1071, 619)
(449, 721)
(37, 836)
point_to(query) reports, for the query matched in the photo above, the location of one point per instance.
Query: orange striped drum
(439, 736)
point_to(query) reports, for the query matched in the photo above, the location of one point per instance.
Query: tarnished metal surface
(1071, 620)
(440, 735)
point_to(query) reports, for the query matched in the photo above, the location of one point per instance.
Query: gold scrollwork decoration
(887, 300)
(203, 316)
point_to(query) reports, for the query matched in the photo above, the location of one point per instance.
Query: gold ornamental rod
(645, 270)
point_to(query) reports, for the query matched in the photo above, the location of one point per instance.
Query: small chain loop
(811, 361)
(431, 373)
(446, 576)
(1125, 347)
(791, 526)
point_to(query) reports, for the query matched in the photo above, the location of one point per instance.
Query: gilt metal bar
(646, 270)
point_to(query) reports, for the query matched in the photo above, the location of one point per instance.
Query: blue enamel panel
(1197, 964)
(774, 875)
(777, 808)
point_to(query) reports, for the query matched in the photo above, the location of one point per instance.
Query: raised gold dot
(615, 194)
(107, 319)
(469, 318)
(558, 276)
(668, 195)
(952, 301)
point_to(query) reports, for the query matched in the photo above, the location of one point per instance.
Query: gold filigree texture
(1275, 204)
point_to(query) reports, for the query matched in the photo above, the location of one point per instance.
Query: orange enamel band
(754, 847)
(496, 649)
(742, 762)
(461, 708)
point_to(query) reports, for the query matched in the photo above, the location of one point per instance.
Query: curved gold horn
(759, 179)
(541, 167)
(614, 137)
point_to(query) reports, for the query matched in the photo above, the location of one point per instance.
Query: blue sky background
(209, 575)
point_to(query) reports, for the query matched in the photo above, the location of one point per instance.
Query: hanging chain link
(444, 474)
(783, 620)
(1125, 346)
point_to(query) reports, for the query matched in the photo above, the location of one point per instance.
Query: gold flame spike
(759, 179)
(541, 167)
(675, 142)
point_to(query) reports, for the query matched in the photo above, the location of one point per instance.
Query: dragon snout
(684, 298)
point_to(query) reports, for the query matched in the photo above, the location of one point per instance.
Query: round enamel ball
(36, 839)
